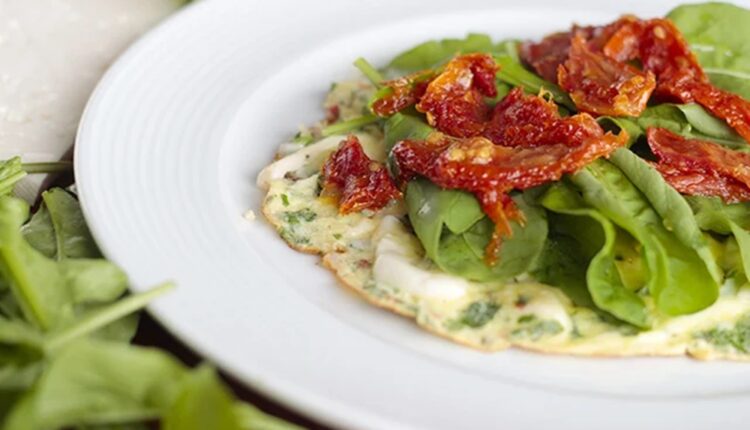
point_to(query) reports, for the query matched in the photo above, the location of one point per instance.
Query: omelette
(381, 250)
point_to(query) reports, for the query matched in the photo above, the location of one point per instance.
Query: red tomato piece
(358, 182)
(454, 100)
(603, 86)
(404, 92)
(697, 167)
(525, 120)
(490, 171)
(547, 55)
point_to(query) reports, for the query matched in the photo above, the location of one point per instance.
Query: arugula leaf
(718, 34)
(594, 238)
(454, 232)
(679, 280)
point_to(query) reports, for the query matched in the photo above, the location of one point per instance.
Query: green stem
(370, 72)
(346, 126)
(50, 167)
(102, 317)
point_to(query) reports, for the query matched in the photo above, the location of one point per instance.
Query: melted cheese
(397, 263)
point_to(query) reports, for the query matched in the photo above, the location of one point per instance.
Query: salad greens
(65, 327)
(615, 236)
(718, 33)
(455, 233)
(594, 239)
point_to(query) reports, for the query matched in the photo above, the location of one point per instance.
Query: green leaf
(454, 232)
(512, 72)
(251, 418)
(102, 316)
(40, 233)
(94, 281)
(679, 280)
(594, 238)
(674, 210)
(434, 53)
(203, 403)
(401, 126)
(690, 121)
(712, 214)
(718, 34)
(96, 382)
(71, 234)
(37, 283)
(11, 171)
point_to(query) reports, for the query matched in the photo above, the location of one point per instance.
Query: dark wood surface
(150, 333)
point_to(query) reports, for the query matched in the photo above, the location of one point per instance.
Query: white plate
(166, 158)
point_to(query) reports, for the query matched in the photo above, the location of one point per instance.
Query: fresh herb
(284, 199)
(298, 216)
(479, 313)
(737, 336)
(534, 329)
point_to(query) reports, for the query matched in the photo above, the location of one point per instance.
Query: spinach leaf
(402, 126)
(515, 74)
(678, 279)
(690, 121)
(11, 171)
(36, 282)
(712, 214)
(718, 34)
(454, 232)
(58, 230)
(674, 210)
(594, 240)
(97, 382)
(434, 53)
(203, 403)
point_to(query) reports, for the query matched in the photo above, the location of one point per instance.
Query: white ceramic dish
(166, 158)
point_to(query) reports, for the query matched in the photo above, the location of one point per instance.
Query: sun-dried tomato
(603, 86)
(664, 52)
(454, 100)
(698, 167)
(621, 40)
(548, 54)
(358, 182)
(403, 92)
(490, 171)
(524, 120)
